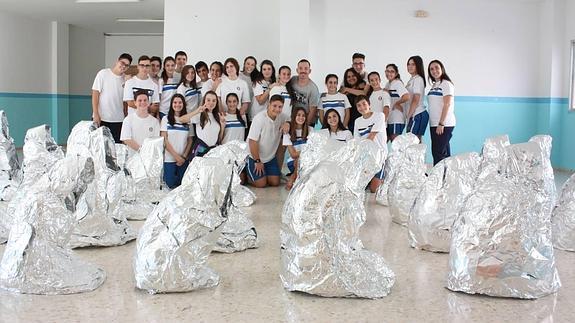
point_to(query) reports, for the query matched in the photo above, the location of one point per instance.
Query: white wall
(569, 35)
(87, 57)
(134, 45)
(215, 30)
(25, 54)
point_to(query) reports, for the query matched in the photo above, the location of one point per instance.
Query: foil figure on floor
(38, 259)
(179, 235)
(10, 168)
(406, 183)
(321, 251)
(143, 181)
(100, 220)
(563, 218)
(393, 163)
(501, 241)
(439, 201)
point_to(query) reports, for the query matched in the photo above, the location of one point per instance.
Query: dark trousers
(173, 174)
(115, 129)
(440, 148)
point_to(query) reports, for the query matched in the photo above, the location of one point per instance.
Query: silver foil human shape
(10, 169)
(321, 251)
(179, 235)
(100, 220)
(406, 183)
(38, 259)
(501, 240)
(144, 185)
(393, 164)
(563, 218)
(442, 195)
(545, 142)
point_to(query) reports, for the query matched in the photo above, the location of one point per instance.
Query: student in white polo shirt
(107, 104)
(142, 81)
(334, 100)
(333, 127)
(215, 79)
(232, 83)
(139, 125)
(284, 89)
(441, 111)
(417, 116)
(235, 126)
(189, 88)
(294, 141)
(178, 139)
(379, 99)
(264, 139)
(371, 125)
(399, 95)
(266, 77)
(168, 85)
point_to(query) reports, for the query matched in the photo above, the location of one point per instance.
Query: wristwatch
(258, 161)
(441, 124)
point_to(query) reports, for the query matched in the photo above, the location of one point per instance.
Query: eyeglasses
(124, 65)
(144, 65)
(358, 64)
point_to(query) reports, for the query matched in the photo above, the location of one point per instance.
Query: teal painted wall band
(42, 96)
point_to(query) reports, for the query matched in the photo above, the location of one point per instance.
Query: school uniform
(340, 135)
(338, 101)
(375, 123)
(237, 86)
(297, 144)
(110, 106)
(287, 107)
(138, 129)
(178, 135)
(134, 85)
(192, 96)
(378, 100)
(267, 132)
(207, 86)
(396, 119)
(440, 148)
(206, 137)
(167, 91)
(234, 129)
(418, 122)
(259, 88)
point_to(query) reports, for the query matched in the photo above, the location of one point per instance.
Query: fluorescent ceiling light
(139, 20)
(107, 1)
(133, 34)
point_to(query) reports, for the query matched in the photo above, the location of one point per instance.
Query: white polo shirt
(234, 129)
(177, 136)
(375, 123)
(167, 91)
(111, 89)
(267, 133)
(396, 91)
(340, 135)
(378, 100)
(237, 86)
(135, 84)
(415, 86)
(211, 130)
(282, 90)
(435, 100)
(339, 102)
(192, 96)
(256, 108)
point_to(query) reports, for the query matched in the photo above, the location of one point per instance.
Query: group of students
(196, 108)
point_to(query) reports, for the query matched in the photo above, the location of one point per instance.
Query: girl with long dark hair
(441, 110)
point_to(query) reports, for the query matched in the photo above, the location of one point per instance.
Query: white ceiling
(99, 17)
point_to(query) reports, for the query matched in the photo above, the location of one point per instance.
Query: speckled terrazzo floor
(251, 291)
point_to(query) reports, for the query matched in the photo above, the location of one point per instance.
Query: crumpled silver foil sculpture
(321, 251)
(100, 220)
(564, 217)
(38, 259)
(544, 142)
(406, 183)
(501, 240)
(239, 232)
(40, 153)
(393, 163)
(179, 235)
(442, 195)
(144, 186)
(10, 172)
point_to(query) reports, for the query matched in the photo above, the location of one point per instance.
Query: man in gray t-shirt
(306, 91)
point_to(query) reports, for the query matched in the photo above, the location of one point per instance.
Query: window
(572, 79)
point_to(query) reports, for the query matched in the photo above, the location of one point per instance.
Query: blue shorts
(291, 166)
(271, 168)
(418, 123)
(395, 129)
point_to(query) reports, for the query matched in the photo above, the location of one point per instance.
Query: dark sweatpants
(115, 129)
(440, 148)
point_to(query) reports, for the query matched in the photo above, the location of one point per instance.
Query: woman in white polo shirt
(399, 95)
(231, 83)
(168, 85)
(261, 87)
(189, 88)
(441, 111)
(417, 116)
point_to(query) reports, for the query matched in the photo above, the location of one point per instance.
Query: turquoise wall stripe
(501, 99)
(41, 95)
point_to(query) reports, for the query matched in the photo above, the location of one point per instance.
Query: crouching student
(264, 139)
(371, 125)
(210, 123)
(139, 125)
(178, 139)
(333, 127)
(294, 141)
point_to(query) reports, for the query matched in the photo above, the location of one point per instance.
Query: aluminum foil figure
(239, 232)
(321, 251)
(38, 259)
(406, 183)
(441, 197)
(393, 164)
(179, 235)
(144, 186)
(501, 240)
(10, 172)
(544, 142)
(100, 221)
(564, 217)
